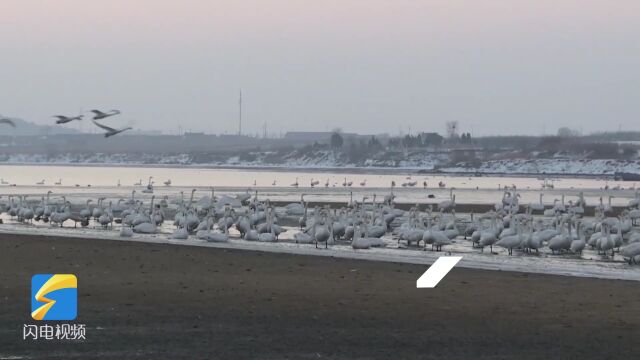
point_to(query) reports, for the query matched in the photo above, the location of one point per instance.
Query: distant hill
(26, 128)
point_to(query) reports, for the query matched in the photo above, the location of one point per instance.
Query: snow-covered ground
(552, 166)
(323, 159)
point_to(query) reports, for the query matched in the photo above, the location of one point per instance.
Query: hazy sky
(497, 67)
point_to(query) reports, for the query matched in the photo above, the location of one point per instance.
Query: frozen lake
(93, 181)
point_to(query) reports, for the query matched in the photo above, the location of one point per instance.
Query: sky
(369, 66)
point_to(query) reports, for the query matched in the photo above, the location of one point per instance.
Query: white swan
(101, 115)
(448, 204)
(180, 234)
(489, 237)
(146, 228)
(631, 251)
(513, 241)
(107, 217)
(111, 131)
(271, 235)
(562, 241)
(126, 231)
(65, 119)
(537, 206)
(358, 242)
(579, 244)
(302, 238)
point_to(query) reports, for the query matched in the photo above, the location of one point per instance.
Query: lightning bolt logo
(53, 282)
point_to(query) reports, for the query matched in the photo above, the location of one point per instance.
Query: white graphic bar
(437, 271)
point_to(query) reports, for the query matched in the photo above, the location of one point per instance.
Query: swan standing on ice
(146, 224)
(303, 219)
(578, 245)
(39, 211)
(321, 233)
(562, 241)
(537, 206)
(439, 240)
(107, 217)
(607, 207)
(86, 212)
(59, 217)
(489, 237)
(450, 204)
(149, 188)
(511, 242)
(97, 210)
(605, 242)
(269, 236)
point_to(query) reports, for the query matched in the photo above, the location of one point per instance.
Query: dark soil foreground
(165, 302)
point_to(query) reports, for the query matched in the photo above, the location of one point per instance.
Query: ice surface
(588, 265)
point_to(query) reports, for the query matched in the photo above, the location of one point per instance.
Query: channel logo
(54, 297)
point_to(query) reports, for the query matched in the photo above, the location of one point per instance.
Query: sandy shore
(162, 301)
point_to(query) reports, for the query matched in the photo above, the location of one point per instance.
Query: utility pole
(240, 114)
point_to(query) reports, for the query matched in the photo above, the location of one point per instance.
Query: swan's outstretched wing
(97, 112)
(104, 126)
(8, 122)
